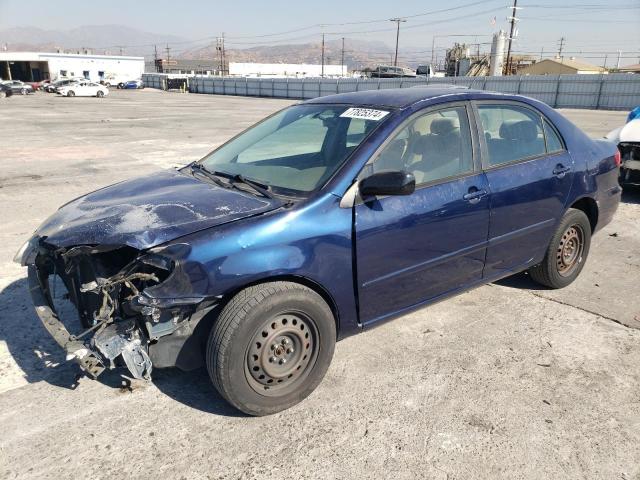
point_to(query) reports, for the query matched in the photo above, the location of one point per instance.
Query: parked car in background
(18, 86)
(52, 87)
(133, 84)
(83, 89)
(392, 72)
(39, 85)
(627, 138)
(5, 91)
(325, 219)
(114, 81)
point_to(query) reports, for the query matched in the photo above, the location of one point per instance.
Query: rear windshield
(298, 149)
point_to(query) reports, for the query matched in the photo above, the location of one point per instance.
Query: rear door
(530, 175)
(410, 249)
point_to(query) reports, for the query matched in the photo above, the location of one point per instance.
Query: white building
(36, 66)
(298, 70)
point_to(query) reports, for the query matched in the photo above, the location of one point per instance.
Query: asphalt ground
(506, 381)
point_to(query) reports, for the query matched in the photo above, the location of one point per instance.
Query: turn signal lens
(618, 158)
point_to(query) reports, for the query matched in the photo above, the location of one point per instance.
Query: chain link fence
(617, 91)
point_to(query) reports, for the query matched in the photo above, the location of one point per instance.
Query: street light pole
(398, 21)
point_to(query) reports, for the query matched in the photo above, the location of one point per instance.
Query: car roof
(402, 97)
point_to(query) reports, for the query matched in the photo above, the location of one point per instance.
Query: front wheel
(271, 346)
(100, 94)
(23, 91)
(567, 252)
(71, 93)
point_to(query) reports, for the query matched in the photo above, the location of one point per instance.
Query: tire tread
(229, 320)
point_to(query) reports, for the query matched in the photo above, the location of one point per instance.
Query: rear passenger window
(434, 146)
(553, 141)
(511, 133)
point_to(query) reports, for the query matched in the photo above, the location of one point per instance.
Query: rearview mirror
(388, 183)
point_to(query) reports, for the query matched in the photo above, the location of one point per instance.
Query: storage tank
(497, 53)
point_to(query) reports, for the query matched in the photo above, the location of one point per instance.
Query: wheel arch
(590, 208)
(302, 280)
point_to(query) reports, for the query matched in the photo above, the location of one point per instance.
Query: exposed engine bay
(121, 321)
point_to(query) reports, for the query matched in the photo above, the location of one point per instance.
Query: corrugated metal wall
(612, 92)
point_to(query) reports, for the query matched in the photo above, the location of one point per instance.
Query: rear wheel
(23, 91)
(100, 94)
(271, 347)
(71, 93)
(567, 252)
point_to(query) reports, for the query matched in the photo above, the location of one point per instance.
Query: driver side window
(434, 146)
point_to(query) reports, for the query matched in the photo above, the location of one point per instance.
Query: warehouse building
(559, 66)
(37, 66)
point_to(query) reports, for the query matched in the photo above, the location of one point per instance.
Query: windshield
(298, 149)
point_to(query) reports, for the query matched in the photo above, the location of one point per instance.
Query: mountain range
(119, 39)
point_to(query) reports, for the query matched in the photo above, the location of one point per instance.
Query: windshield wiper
(234, 178)
(199, 168)
(263, 190)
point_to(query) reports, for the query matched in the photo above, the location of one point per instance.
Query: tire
(23, 91)
(121, 85)
(108, 85)
(567, 252)
(100, 94)
(270, 347)
(71, 93)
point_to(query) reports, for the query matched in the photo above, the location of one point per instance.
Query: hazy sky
(590, 26)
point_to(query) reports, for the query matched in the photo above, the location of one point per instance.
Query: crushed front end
(121, 320)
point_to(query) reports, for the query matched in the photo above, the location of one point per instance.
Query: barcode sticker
(365, 114)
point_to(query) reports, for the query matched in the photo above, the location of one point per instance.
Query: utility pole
(322, 71)
(560, 48)
(513, 26)
(219, 51)
(168, 50)
(398, 20)
(224, 57)
(155, 57)
(342, 58)
(618, 62)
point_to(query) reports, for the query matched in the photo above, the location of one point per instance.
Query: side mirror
(388, 183)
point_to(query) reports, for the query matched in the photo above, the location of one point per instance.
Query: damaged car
(627, 138)
(323, 220)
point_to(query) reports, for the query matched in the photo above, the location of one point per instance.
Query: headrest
(519, 130)
(441, 126)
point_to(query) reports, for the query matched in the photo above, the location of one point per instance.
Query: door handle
(560, 171)
(474, 195)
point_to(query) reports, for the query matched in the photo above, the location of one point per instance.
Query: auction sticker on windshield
(365, 114)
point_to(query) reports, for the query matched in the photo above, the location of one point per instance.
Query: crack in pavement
(582, 309)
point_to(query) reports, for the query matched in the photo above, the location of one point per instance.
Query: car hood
(147, 211)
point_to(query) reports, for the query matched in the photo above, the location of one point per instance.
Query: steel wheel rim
(570, 250)
(281, 354)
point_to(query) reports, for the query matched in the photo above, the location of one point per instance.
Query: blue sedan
(323, 220)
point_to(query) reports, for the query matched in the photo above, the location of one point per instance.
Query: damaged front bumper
(122, 321)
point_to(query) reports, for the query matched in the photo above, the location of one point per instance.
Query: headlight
(27, 253)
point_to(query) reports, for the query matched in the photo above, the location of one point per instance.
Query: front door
(530, 176)
(410, 249)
